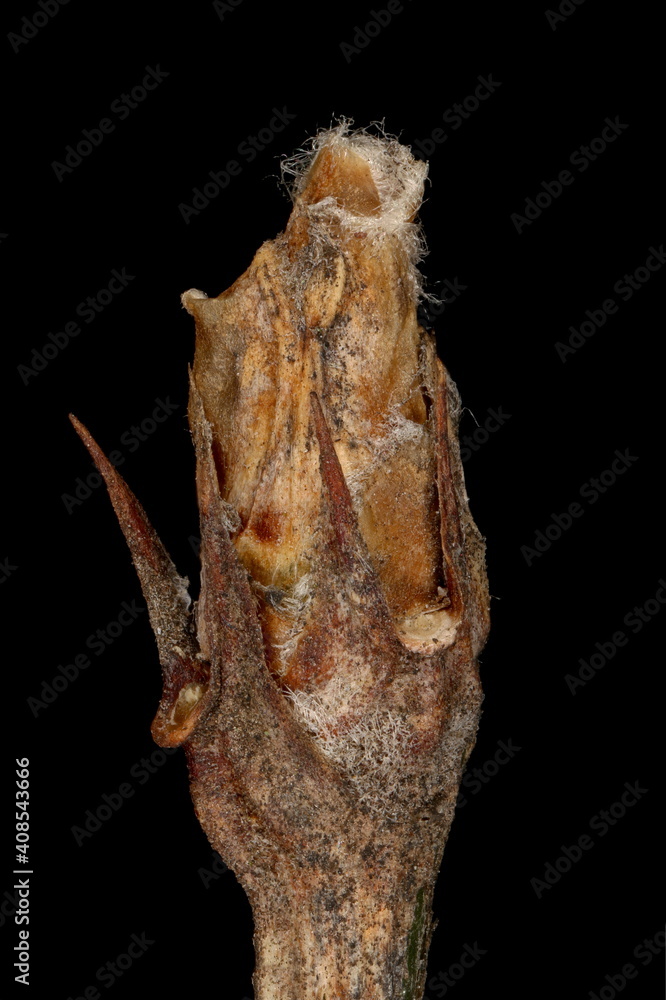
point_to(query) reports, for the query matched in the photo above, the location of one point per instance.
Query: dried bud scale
(325, 685)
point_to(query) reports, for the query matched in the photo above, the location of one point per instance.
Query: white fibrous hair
(370, 751)
(293, 607)
(398, 177)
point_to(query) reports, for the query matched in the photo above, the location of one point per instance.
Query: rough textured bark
(325, 685)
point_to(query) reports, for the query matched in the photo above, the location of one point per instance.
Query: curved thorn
(165, 591)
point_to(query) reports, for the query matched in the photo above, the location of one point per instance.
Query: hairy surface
(325, 686)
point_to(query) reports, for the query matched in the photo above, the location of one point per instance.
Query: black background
(141, 872)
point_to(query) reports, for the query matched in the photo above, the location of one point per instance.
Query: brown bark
(325, 686)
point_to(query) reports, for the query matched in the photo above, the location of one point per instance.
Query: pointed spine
(185, 675)
(348, 545)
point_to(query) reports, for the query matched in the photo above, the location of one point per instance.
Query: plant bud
(325, 685)
(330, 307)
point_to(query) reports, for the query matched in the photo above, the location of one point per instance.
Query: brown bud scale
(325, 685)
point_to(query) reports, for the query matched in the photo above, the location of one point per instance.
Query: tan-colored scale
(328, 307)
